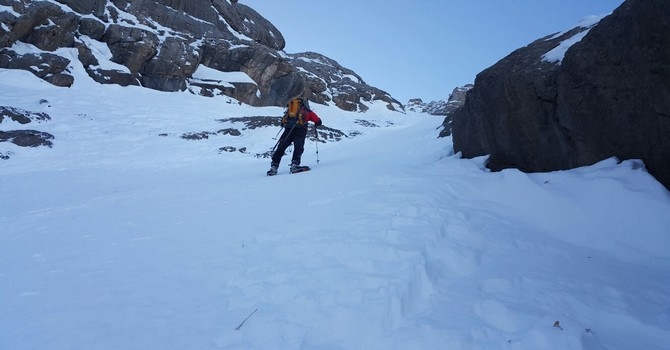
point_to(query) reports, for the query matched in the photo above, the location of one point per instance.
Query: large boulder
(609, 96)
(614, 88)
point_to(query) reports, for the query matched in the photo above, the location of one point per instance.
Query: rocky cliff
(161, 44)
(574, 98)
(441, 107)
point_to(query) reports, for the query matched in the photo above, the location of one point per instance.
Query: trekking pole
(272, 151)
(275, 138)
(280, 129)
(316, 133)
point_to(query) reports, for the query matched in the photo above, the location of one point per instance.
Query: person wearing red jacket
(294, 122)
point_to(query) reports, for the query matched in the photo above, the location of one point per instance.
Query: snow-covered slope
(119, 238)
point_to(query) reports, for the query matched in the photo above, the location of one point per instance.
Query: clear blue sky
(421, 48)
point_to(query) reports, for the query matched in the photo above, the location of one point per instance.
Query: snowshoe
(299, 169)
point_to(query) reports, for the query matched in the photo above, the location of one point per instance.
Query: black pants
(297, 137)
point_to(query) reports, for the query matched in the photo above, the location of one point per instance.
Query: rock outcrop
(442, 107)
(23, 137)
(325, 78)
(607, 96)
(160, 44)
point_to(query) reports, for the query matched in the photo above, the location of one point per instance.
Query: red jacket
(311, 116)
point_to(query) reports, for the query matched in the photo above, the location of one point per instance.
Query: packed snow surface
(126, 236)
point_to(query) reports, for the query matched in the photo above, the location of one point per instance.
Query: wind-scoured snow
(556, 54)
(126, 236)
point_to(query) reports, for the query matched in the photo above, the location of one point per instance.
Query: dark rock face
(609, 96)
(617, 102)
(509, 112)
(159, 44)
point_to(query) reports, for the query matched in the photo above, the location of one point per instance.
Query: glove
(318, 123)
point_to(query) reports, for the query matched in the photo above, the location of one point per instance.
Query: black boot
(295, 166)
(273, 169)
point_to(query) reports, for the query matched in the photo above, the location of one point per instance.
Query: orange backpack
(293, 115)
